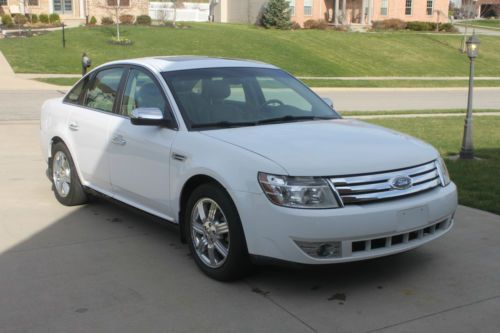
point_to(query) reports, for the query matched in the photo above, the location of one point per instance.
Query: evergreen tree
(276, 15)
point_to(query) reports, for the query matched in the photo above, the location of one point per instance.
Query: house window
(123, 3)
(308, 5)
(32, 2)
(383, 7)
(291, 5)
(3, 2)
(408, 7)
(429, 7)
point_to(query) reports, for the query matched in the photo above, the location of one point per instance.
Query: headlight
(298, 192)
(443, 172)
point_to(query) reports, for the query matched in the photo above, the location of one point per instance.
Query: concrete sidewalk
(103, 268)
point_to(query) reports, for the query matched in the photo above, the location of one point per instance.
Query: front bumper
(362, 231)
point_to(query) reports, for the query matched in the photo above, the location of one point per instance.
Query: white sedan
(247, 161)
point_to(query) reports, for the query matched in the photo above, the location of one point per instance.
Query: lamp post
(467, 151)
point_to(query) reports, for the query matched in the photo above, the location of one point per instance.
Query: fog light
(321, 249)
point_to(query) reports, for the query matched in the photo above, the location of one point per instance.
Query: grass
(60, 81)
(301, 52)
(401, 112)
(478, 181)
(69, 81)
(486, 23)
(399, 83)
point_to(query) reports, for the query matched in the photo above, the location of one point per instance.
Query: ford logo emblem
(401, 182)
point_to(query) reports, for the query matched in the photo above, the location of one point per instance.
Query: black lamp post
(467, 151)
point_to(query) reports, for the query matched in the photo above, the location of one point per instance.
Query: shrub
(316, 24)
(389, 24)
(420, 26)
(121, 41)
(447, 27)
(295, 26)
(93, 20)
(20, 19)
(7, 20)
(276, 15)
(54, 18)
(107, 20)
(34, 18)
(43, 18)
(126, 19)
(143, 20)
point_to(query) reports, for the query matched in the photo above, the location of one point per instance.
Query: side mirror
(328, 101)
(148, 117)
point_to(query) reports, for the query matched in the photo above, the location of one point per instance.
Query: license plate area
(413, 218)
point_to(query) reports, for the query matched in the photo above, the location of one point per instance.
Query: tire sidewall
(76, 194)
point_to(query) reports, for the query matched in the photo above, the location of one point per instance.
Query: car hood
(329, 147)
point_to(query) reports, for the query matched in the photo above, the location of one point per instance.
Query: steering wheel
(273, 101)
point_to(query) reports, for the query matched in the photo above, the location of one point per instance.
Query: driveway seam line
(293, 315)
(434, 314)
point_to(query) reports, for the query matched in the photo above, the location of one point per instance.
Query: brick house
(352, 12)
(74, 12)
(487, 8)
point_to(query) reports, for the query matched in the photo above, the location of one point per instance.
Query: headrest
(218, 90)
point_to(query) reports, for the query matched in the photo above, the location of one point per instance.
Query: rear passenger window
(74, 95)
(103, 90)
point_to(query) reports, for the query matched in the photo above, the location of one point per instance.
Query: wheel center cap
(209, 227)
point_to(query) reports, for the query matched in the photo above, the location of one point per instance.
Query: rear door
(140, 155)
(88, 127)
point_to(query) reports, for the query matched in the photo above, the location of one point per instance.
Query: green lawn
(302, 52)
(59, 81)
(478, 181)
(486, 23)
(404, 112)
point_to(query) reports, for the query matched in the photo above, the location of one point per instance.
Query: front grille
(436, 229)
(377, 186)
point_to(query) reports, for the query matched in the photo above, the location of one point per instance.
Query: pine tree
(277, 15)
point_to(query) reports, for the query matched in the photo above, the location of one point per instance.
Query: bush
(20, 19)
(316, 24)
(121, 41)
(54, 18)
(93, 20)
(34, 18)
(143, 20)
(43, 18)
(126, 19)
(107, 20)
(390, 24)
(7, 20)
(447, 27)
(276, 15)
(420, 26)
(295, 26)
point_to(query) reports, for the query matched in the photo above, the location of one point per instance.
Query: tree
(114, 7)
(176, 4)
(276, 15)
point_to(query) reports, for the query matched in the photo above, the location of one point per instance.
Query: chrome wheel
(61, 174)
(210, 232)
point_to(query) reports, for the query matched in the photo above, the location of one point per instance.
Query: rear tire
(215, 234)
(65, 181)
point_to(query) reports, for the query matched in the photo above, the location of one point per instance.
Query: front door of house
(63, 6)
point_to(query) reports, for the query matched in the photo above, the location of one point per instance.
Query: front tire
(66, 184)
(215, 235)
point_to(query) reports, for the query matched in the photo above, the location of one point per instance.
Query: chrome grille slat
(381, 177)
(375, 187)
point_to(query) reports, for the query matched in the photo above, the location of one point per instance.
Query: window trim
(6, 3)
(386, 7)
(427, 7)
(311, 7)
(168, 105)
(411, 7)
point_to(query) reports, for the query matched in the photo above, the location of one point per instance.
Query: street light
(467, 151)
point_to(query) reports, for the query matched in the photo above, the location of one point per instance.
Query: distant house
(486, 8)
(74, 11)
(361, 12)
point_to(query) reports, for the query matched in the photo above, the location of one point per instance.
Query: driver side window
(274, 90)
(141, 91)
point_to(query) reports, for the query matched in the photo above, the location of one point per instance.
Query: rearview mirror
(148, 116)
(328, 101)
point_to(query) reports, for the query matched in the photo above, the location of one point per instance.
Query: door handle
(73, 126)
(118, 140)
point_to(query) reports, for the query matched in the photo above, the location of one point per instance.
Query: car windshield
(233, 97)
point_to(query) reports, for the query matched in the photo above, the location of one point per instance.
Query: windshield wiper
(224, 124)
(291, 118)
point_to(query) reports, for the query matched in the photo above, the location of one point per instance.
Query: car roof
(174, 63)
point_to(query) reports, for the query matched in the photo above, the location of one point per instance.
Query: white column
(370, 11)
(336, 12)
(344, 11)
(82, 8)
(51, 6)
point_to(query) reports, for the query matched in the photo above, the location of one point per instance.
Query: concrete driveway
(103, 268)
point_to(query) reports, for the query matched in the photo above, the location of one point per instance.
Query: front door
(140, 155)
(64, 7)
